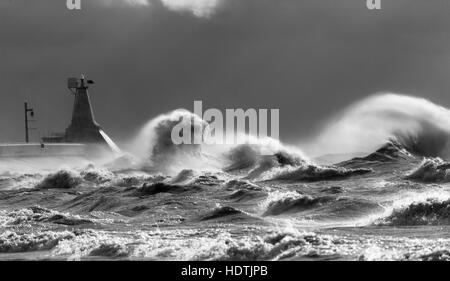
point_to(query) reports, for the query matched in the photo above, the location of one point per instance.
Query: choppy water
(390, 212)
(186, 203)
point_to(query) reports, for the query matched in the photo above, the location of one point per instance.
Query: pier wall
(42, 150)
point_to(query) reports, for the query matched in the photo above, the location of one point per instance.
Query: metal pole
(26, 123)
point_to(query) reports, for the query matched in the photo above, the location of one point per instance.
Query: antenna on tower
(74, 84)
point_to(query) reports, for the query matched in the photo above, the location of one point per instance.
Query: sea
(379, 190)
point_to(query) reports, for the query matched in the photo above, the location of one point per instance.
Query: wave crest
(294, 203)
(430, 212)
(37, 214)
(431, 170)
(312, 173)
(61, 179)
(420, 126)
(14, 242)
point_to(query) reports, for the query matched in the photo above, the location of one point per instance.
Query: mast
(26, 111)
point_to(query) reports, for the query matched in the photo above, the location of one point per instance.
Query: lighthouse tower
(83, 128)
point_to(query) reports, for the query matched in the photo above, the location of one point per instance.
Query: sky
(310, 58)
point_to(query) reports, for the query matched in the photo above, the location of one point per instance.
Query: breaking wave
(97, 176)
(184, 176)
(431, 170)
(420, 126)
(110, 250)
(250, 157)
(277, 246)
(292, 203)
(242, 157)
(244, 191)
(155, 148)
(14, 242)
(316, 208)
(441, 255)
(242, 185)
(432, 211)
(312, 173)
(61, 179)
(37, 214)
(391, 151)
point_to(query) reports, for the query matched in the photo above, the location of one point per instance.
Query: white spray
(370, 123)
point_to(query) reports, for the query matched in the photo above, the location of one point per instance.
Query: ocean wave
(418, 125)
(245, 195)
(102, 203)
(99, 199)
(264, 165)
(21, 181)
(14, 242)
(441, 255)
(37, 214)
(95, 175)
(155, 149)
(125, 162)
(312, 173)
(391, 151)
(278, 245)
(61, 179)
(208, 180)
(432, 211)
(241, 157)
(242, 184)
(134, 180)
(110, 250)
(222, 212)
(319, 208)
(244, 190)
(212, 244)
(292, 202)
(249, 157)
(431, 170)
(160, 187)
(183, 176)
(333, 190)
(285, 158)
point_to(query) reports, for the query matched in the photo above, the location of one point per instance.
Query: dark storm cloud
(309, 58)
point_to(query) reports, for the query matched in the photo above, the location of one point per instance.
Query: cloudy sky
(309, 58)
